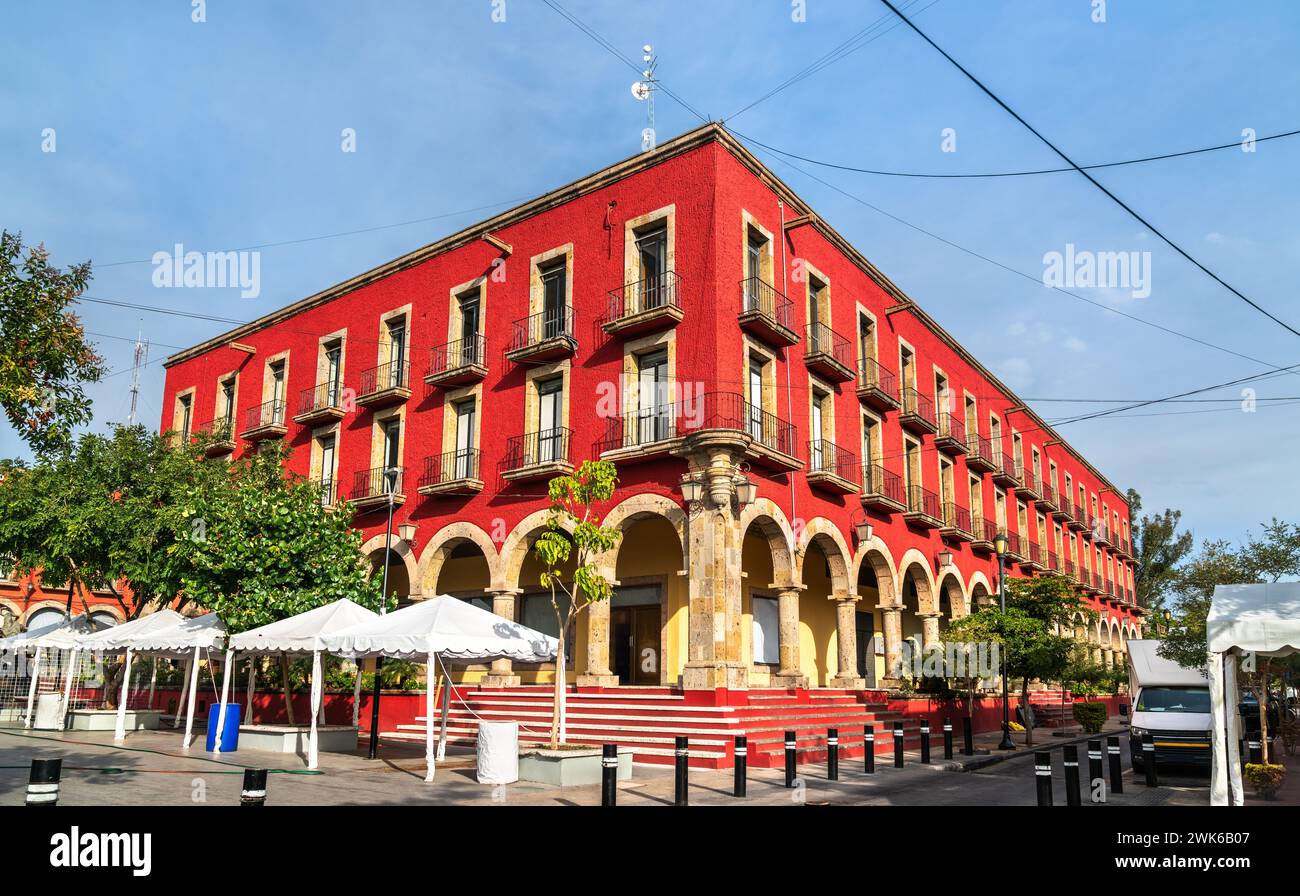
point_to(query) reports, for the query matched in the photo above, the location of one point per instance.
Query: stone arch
(775, 530)
(37, 606)
(827, 536)
(109, 610)
(875, 554)
(953, 588)
(443, 542)
(15, 612)
(977, 579)
(514, 551)
(915, 561)
(639, 507)
(373, 552)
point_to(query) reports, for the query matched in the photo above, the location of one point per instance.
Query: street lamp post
(390, 485)
(1000, 546)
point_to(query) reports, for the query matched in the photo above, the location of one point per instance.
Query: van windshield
(1174, 700)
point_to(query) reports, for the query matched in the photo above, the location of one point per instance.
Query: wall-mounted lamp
(945, 559)
(746, 492)
(863, 531)
(692, 491)
(406, 532)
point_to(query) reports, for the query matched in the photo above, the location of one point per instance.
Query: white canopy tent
(1258, 621)
(123, 639)
(437, 631)
(304, 633)
(65, 634)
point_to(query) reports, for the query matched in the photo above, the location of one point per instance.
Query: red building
(812, 470)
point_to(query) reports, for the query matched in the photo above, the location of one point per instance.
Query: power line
(883, 173)
(1143, 221)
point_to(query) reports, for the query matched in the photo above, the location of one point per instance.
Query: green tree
(1159, 548)
(567, 549)
(44, 357)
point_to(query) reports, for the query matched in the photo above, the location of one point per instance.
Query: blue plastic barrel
(230, 736)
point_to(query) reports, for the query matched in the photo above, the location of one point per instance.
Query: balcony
(1047, 499)
(917, 414)
(1007, 471)
(328, 489)
(923, 509)
(828, 354)
(266, 421)
(957, 523)
(832, 468)
(1015, 547)
(1033, 558)
(766, 313)
(1064, 509)
(646, 306)
(385, 385)
(1122, 548)
(1085, 525)
(321, 403)
(951, 438)
(882, 490)
(1100, 534)
(642, 434)
(726, 418)
(1067, 569)
(545, 336)
(457, 363)
(985, 531)
(454, 472)
(537, 455)
(1031, 487)
(877, 387)
(1053, 563)
(979, 454)
(374, 488)
(216, 436)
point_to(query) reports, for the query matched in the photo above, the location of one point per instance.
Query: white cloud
(1075, 344)
(1018, 373)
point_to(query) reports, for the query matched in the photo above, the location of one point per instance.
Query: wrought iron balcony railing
(450, 468)
(828, 461)
(393, 375)
(881, 488)
(376, 485)
(545, 447)
(762, 299)
(458, 358)
(537, 330)
(877, 386)
(632, 301)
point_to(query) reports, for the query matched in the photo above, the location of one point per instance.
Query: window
(469, 304)
(766, 632)
(392, 448)
(866, 338)
(1069, 487)
(870, 440)
(1017, 449)
(1051, 474)
(1037, 462)
(550, 420)
(333, 371)
(652, 257)
(942, 396)
(907, 367)
(755, 252)
(396, 338)
(972, 418)
(466, 413)
(187, 416)
(277, 392)
(912, 464)
(228, 403)
(1000, 508)
(654, 411)
(538, 613)
(977, 504)
(756, 367)
(327, 458)
(1022, 519)
(945, 482)
(820, 414)
(554, 278)
(816, 292)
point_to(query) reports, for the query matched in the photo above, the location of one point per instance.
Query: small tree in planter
(1266, 778)
(573, 531)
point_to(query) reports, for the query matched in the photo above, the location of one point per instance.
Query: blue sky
(226, 134)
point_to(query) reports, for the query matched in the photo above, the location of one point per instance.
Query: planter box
(293, 738)
(569, 768)
(106, 719)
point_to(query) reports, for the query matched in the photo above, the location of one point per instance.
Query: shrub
(1091, 716)
(1266, 779)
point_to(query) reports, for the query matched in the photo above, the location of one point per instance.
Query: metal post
(1116, 769)
(832, 754)
(43, 782)
(1072, 774)
(609, 775)
(1043, 776)
(791, 744)
(869, 757)
(682, 758)
(1094, 761)
(742, 764)
(968, 736)
(1149, 760)
(373, 752)
(898, 745)
(254, 792)
(947, 737)
(925, 742)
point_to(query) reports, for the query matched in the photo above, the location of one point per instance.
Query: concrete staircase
(647, 720)
(1051, 711)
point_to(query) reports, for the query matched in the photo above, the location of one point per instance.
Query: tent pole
(31, 687)
(67, 689)
(312, 743)
(446, 703)
(252, 687)
(119, 730)
(189, 710)
(153, 682)
(429, 673)
(356, 698)
(185, 689)
(225, 696)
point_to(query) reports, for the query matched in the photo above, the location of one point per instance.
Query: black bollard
(254, 792)
(968, 736)
(43, 783)
(1094, 761)
(683, 757)
(609, 775)
(925, 742)
(898, 745)
(869, 757)
(947, 737)
(832, 754)
(1123, 711)
(1043, 777)
(1253, 745)
(791, 745)
(1116, 767)
(742, 764)
(1149, 760)
(1072, 774)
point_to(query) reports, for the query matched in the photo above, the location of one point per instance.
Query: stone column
(846, 638)
(892, 623)
(714, 584)
(597, 673)
(789, 674)
(502, 672)
(929, 630)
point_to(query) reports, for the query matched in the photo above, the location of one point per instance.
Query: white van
(1172, 704)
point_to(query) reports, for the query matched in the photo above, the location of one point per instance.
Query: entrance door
(634, 644)
(866, 644)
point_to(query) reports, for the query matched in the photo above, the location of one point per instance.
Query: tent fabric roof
(62, 635)
(304, 633)
(1264, 619)
(120, 637)
(205, 631)
(1151, 669)
(455, 629)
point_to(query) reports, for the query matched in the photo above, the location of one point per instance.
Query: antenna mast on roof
(141, 358)
(644, 91)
